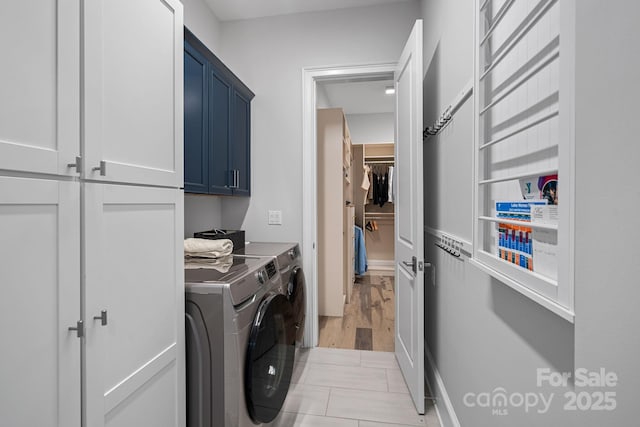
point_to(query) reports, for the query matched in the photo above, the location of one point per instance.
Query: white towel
(207, 248)
(221, 264)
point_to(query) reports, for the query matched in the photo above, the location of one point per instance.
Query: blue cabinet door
(240, 142)
(196, 116)
(217, 120)
(220, 174)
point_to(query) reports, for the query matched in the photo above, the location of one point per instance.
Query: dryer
(289, 260)
(239, 346)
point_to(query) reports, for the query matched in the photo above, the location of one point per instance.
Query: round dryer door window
(269, 361)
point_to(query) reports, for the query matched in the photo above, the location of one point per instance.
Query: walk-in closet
(356, 220)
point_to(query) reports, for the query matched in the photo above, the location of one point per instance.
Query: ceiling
(366, 97)
(228, 10)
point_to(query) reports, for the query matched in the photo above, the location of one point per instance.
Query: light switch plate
(275, 217)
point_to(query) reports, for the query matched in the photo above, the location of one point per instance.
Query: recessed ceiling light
(389, 90)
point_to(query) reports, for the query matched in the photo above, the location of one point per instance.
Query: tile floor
(350, 388)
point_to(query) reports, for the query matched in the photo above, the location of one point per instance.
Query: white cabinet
(73, 242)
(133, 237)
(334, 172)
(39, 86)
(40, 276)
(133, 68)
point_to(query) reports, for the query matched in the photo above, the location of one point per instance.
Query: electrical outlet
(275, 217)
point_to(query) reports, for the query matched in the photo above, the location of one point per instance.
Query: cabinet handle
(77, 164)
(102, 317)
(79, 328)
(102, 168)
(235, 178)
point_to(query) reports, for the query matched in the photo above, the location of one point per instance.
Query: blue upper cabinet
(196, 129)
(217, 125)
(220, 90)
(240, 133)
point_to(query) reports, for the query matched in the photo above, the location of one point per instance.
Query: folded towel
(221, 264)
(207, 248)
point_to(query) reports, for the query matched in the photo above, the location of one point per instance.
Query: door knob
(413, 264)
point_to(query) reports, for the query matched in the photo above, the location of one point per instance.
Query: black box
(236, 237)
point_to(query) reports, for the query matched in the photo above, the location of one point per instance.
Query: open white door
(409, 238)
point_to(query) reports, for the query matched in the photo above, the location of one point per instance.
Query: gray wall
(269, 54)
(482, 334)
(608, 198)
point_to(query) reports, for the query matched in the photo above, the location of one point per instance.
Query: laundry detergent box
(515, 238)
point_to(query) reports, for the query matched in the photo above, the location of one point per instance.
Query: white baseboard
(380, 264)
(444, 407)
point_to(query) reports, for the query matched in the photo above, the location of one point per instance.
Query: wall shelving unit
(524, 114)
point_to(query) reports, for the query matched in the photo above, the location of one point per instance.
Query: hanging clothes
(366, 183)
(383, 190)
(390, 192)
(375, 187)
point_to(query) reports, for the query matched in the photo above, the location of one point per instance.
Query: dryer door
(297, 297)
(269, 361)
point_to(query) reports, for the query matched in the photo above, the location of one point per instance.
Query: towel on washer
(222, 264)
(207, 248)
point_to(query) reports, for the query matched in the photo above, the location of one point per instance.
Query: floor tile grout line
(326, 409)
(337, 387)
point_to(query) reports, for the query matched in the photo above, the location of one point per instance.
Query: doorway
(368, 308)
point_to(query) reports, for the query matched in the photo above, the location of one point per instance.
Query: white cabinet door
(39, 86)
(134, 272)
(40, 277)
(133, 68)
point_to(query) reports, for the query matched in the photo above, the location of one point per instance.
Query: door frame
(310, 77)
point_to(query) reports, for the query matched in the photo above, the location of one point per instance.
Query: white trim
(381, 264)
(567, 154)
(442, 402)
(544, 301)
(310, 75)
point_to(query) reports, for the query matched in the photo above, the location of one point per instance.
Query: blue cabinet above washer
(217, 124)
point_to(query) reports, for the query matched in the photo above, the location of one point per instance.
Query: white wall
(268, 55)
(202, 212)
(202, 22)
(368, 128)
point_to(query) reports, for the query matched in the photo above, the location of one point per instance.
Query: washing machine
(289, 260)
(240, 352)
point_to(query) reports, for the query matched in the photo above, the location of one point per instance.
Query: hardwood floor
(368, 321)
